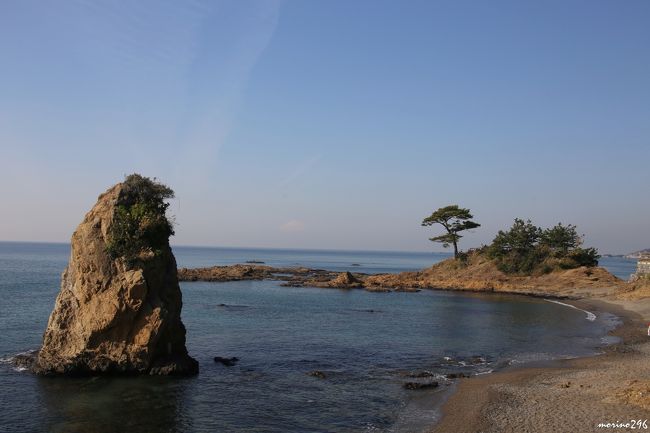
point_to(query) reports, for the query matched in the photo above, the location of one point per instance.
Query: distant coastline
(638, 254)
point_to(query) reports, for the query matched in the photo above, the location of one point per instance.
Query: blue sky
(329, 124)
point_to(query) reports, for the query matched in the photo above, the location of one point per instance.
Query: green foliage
(447, 239)
(522, 237)
(584, 256)
(561, 239)
(140, 222)
(454, 219)
(526, 249)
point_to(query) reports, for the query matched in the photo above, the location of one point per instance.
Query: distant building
(642, 267)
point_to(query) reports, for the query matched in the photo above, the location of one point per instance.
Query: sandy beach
(578, 395)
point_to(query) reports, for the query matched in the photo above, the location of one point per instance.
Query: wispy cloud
(300, 170)
(293, 226)
(184, 67)
(247, 31)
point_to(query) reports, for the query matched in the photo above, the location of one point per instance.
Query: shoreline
(560, 395)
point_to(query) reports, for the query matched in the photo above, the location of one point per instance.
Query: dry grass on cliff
(481, 274)
(636, 290)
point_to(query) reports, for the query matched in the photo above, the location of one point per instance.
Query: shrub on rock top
(140, 223)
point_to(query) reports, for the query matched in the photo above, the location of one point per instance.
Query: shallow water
(364, 342)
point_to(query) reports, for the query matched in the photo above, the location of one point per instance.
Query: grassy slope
(481, 274)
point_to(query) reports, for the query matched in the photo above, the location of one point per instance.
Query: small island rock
(112, 315)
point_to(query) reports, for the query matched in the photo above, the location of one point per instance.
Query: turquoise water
(364, 342)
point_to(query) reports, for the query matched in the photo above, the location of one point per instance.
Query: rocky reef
(292, 277)
(476, 274)
(119, 313)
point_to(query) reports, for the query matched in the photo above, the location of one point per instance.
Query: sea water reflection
(114, 405)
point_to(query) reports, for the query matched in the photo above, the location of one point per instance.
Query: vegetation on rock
(527, 249)
(124, 315)
(140, 223)
(454, 219)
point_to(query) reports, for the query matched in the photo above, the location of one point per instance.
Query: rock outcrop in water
(119, 315)
(292, 277)
(478, 274)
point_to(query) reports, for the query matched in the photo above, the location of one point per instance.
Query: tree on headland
(523, 236)
(561, 238)
(526, 249)
(454, 219)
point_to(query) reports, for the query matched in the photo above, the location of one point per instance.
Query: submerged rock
(317, 374)
(117, 315)
(417, 374)
(24, 361)
(456, 375)
(420, 385)
(228, 362)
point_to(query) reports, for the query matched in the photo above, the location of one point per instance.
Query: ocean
(366, 344)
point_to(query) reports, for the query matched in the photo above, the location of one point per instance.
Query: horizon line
(255, 248)
(293, 248)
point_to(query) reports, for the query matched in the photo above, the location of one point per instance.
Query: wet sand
(563, 396)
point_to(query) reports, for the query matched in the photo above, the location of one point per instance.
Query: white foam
(590, 316)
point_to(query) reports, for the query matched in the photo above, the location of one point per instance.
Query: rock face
(111, 316)
(345, 280)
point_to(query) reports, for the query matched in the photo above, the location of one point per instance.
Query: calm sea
(365, 343)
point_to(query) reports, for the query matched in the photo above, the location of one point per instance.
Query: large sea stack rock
(118, 314)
